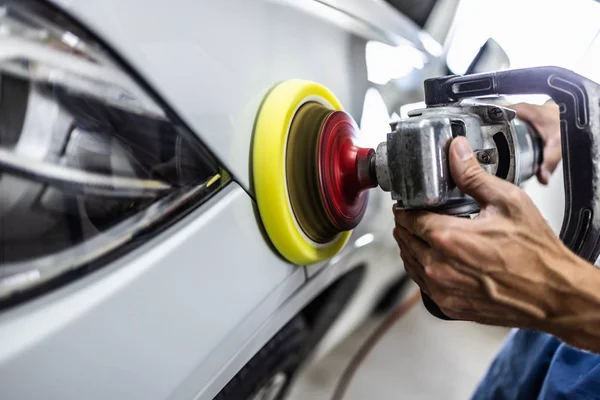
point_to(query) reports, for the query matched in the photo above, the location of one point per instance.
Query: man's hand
(545, 120)
(505, 267)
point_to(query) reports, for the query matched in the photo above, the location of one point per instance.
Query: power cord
(370, 343)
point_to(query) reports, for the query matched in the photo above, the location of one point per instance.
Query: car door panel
(188, 299)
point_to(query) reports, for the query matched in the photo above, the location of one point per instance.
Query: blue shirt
(534, 365)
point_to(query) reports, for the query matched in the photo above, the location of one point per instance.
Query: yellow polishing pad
(269, 171)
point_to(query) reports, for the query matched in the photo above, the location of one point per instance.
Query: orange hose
(370, 343)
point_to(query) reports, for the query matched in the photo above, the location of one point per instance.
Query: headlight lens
(88, 160)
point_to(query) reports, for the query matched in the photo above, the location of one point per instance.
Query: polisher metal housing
(413, 163)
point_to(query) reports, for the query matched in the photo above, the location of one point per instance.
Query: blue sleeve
(534, 365)
(520, 368)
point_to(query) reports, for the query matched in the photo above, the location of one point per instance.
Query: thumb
(470, 177)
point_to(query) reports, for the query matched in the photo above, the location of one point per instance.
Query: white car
(133, 260)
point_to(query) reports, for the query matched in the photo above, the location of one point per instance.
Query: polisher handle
(578, 99)
(433, 308)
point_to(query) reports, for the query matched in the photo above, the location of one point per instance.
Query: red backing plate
(344, 198)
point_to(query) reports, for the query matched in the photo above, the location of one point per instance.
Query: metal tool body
(579, 101)
(413, 163)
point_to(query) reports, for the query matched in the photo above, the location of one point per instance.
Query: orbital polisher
(312, 181)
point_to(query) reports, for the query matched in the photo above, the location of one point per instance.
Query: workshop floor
(419, 358)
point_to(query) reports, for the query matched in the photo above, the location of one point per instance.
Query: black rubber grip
(433, 308)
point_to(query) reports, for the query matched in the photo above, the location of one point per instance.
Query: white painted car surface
(180, 315)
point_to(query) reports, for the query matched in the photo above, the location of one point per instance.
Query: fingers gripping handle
(578, 99)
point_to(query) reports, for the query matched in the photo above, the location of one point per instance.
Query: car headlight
(88, 159)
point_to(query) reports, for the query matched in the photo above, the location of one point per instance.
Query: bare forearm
(575, 317)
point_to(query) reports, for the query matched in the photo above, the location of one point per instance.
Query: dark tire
(271, 370)
(323, 312)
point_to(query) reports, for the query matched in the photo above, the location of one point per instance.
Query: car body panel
(354, 255)
(138, 327)
(371, 19)
(180, 315)
(217, 60)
